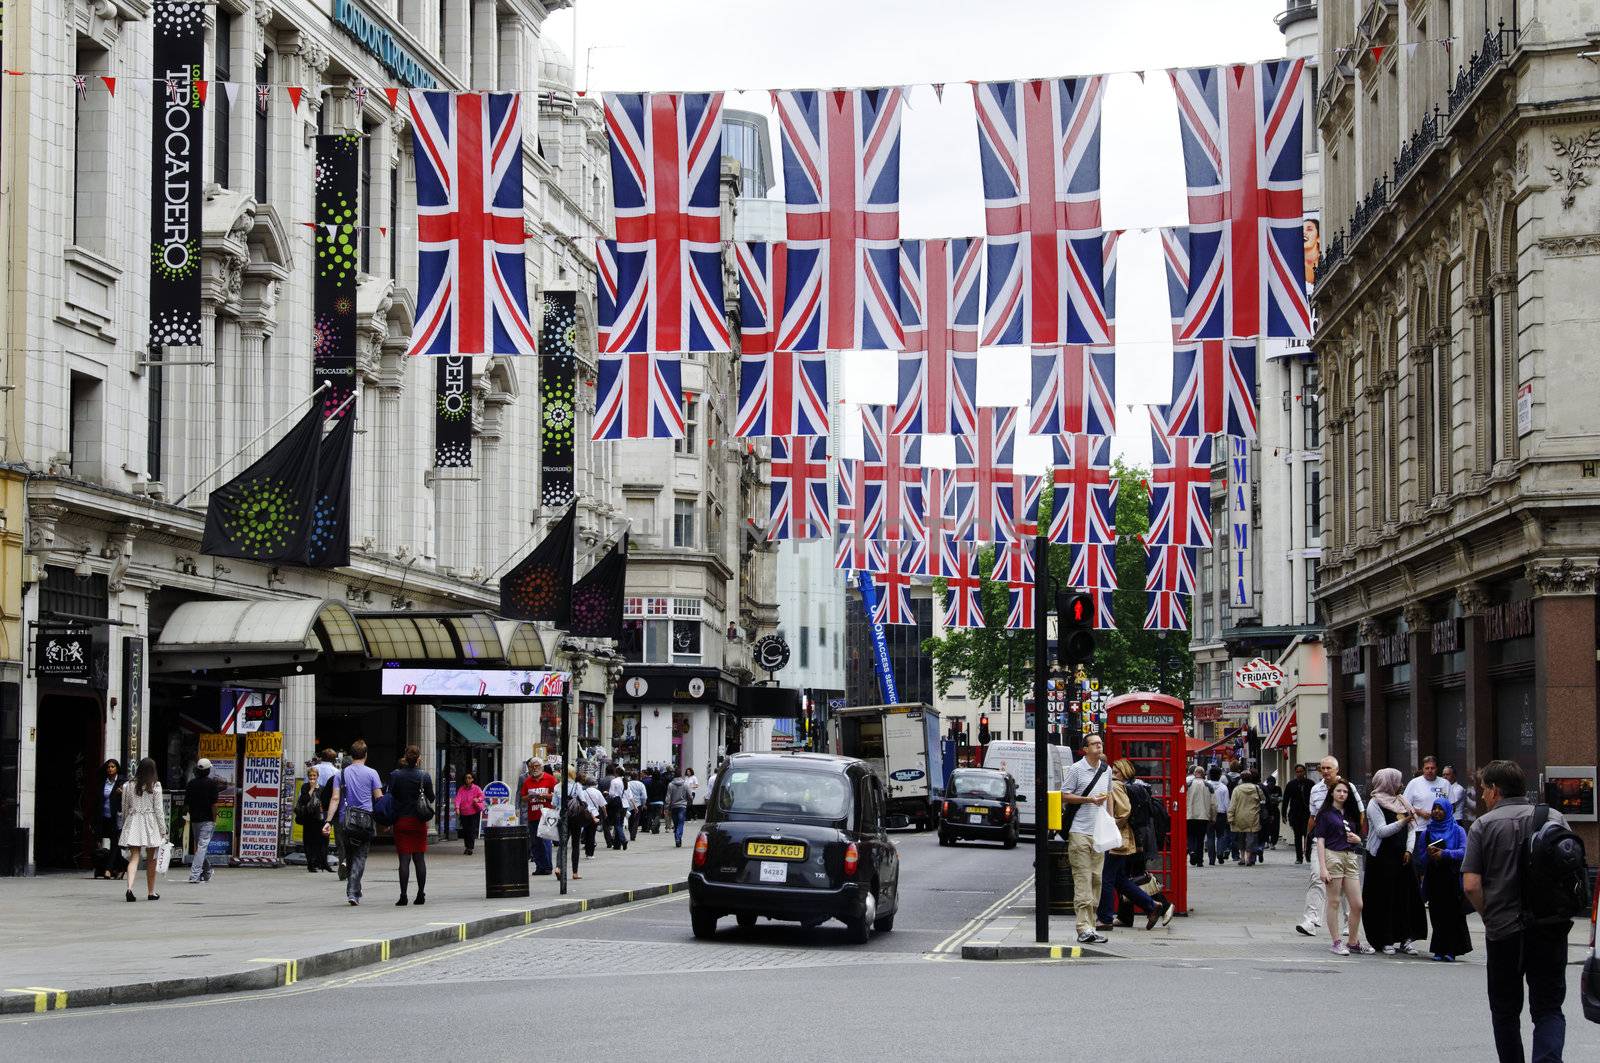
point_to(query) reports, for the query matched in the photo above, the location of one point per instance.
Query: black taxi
(795, 837)
(979, 803)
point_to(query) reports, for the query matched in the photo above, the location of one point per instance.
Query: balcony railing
(1370, 206)
(1332, 254)
(1418, 145)
(1497, 44)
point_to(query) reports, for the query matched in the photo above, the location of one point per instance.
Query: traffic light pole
(1041, 747)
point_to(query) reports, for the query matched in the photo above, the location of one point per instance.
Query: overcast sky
(757, 45)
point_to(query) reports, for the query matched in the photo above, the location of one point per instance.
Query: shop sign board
(1258, 674)
(64, 654)
(473, 683)
(223, 753)
(259, 797)
(498, 808)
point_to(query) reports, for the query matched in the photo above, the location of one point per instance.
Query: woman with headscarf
(1443, 844)
(1390, 896)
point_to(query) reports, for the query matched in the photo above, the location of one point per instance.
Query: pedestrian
(354, 790)
(327, 767)
(308, 812)
(1270, 809)
(1420, 791)
(1457, 792)
(1336, 847)
(641, 801)
(537, 791)
(200, 799)
(1390, 894)
(1441, 849)
(1088, 782)
(596, 801)
(616, 813)
(144, 826)
(1244, 817)
(1201, 809)
(1518, 949)
(108, 821)
(1220, 843)
(1117, 871)
(411, 789)
(579, 816)
(694, 792)
(1297, 811)
(469, 807)
(1316, 890)
(677, 804)
(656, 798)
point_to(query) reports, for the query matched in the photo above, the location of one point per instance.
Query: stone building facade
(1461, 427)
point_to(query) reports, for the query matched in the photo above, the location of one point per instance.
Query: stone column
(298, 711)
(485, 45)
(1375, 751)
(1443, 424)
(1474, 599)
(1564, 665)
(386, 440)
(1419, 619)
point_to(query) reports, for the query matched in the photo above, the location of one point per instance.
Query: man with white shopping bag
(1088, 782)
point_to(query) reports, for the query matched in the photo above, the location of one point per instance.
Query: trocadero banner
(333, 293)
(452, 412)
(558, 383)
(179, 162)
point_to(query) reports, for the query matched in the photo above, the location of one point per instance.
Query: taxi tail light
(700, 848)
(852, 860)
(947, 810)
(1007, 813)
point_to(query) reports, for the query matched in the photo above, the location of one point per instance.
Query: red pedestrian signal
(1075, 637)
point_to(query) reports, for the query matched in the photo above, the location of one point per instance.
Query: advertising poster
(259, 787)
(222, 751)
(180, 51)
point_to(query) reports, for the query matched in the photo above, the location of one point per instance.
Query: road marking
(45, 998)
(383, 951)
(953, 943)
(289, 970)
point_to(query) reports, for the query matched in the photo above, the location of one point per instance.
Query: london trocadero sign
(179, 160)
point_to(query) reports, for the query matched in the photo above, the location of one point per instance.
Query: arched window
(1504, 368)
(1484, 359)
(1423, 411)
(1444, 384)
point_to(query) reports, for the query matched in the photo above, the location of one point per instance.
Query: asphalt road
(630, 980)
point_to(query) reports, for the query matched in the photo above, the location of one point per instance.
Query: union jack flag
(1085, 491)
(799, 488)
(939, 310)
(1013, 561)
(1169, 568)
(1039, 148)
(639, 396)
(963, 589)
(783, 390)
(1093, 567)
(1241, 130)
(1166, 612)
(666, 288)
(841, 183)
(1023, 505)
(984, 479)
(1180, 487)
(1213, 389)
(1074, 391)
(903, 562)
(895, 462)
(941, 523)
(855, 549)
(777, 304)
(472, 287)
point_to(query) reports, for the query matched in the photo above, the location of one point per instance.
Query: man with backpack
(1524, 873)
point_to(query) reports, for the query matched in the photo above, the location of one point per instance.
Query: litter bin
(1060, 876)
(505, 861)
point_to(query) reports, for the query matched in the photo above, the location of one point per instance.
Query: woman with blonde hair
(1116, 877)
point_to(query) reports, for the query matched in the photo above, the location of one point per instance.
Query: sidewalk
(1235, 913)
(72, 941)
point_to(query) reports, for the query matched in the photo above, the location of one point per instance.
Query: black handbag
(425, 809)
(358, 825)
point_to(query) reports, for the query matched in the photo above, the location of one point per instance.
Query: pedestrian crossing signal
(1075, 641)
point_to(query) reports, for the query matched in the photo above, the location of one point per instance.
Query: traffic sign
(1259, 674)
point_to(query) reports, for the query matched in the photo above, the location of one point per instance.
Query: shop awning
(429, 637)
(1283, 733)
(257, 637)
(524, 649)
(470, 730)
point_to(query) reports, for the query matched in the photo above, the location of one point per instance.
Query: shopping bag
(1107, 835)
(549, 825)
(163, 857)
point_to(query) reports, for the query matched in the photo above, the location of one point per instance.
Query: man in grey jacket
(677, 804)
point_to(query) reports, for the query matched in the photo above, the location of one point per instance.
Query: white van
(1017, 758)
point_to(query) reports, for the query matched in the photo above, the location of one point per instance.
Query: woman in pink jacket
(469, 806)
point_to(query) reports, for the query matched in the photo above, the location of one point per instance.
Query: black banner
(452, 414)
(266, 512)
(333, 291)
(328, 542)
(180, 42)
(597, 597)
(558, 383)
(540, 587)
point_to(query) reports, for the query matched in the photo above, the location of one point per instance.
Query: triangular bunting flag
(263, 96)
(80, 83)
(333, 231)
(938, 90)
(383, 230)
(540, 586)
(1141, 76)
(597, 597)
(392, 94)
(1377, 52)
(1411, 49)
(295, 92)
(328, 544)
(111, 85)
(266, 512)
(200, 89)
(172, 90)
(230, 89)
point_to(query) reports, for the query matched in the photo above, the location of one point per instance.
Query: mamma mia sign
(380, 43)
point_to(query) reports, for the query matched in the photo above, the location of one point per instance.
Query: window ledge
(90, 291)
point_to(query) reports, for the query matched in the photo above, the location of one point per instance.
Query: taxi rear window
(782, 794)
(975, 784)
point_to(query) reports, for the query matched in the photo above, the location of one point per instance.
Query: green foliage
(996, 661)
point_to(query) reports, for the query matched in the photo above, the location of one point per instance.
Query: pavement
(73, 941)
(632, 977)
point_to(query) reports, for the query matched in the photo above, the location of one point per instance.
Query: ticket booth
(1147, 729)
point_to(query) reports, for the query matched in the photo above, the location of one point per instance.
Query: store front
(686, 717)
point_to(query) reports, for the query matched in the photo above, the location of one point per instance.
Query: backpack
(1555, 876)
(578, 811)
(1139, 798)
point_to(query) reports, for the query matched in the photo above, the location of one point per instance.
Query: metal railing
(1371, 205)
(1497, 44)
(1418, 145)
(1332, 254)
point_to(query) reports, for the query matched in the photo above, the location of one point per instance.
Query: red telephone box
(1147, 729)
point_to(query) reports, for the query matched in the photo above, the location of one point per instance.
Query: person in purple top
(1337, 846)
(354, 788)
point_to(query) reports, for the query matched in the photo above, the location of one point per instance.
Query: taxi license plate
(774, 851)
(977, 817)
(977, 811)
(774, 871)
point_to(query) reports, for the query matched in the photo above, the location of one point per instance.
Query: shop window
(1402, 733)
(1355, 740)
(1514, 735)
(1450, 722)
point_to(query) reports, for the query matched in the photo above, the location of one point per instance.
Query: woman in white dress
(144, 825)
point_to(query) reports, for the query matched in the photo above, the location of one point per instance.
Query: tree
(994, 660)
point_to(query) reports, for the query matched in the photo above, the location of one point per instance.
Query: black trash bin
(505, 861)
(1060, 876)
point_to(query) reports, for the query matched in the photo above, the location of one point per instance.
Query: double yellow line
(952, 944)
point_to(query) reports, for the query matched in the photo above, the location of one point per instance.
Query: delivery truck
(903, 745)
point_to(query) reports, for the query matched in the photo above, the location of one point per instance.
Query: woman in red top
(409, 785)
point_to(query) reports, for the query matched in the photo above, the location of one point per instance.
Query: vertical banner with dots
(558, 383)
(452, 415)
(334, 287)
(179, 162)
